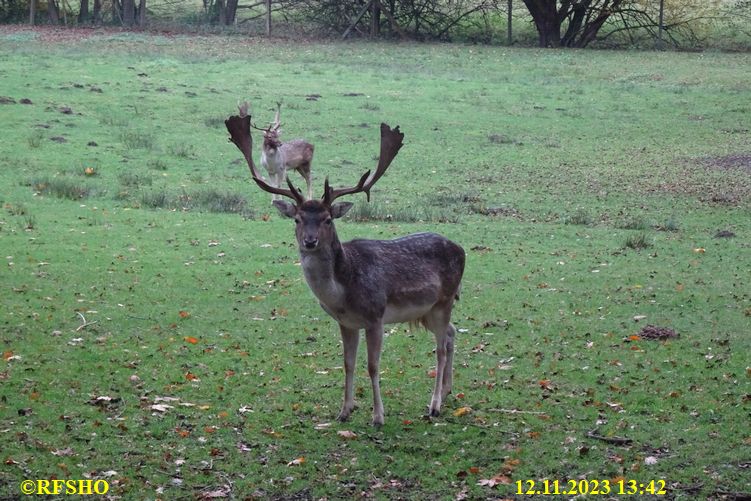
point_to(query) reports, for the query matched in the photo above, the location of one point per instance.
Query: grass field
(157, 333)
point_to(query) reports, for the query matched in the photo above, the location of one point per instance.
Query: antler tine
(243, 108)
(239, 131)
(391, 142)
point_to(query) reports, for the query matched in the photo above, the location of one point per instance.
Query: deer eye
(327, 222)
(297, 220)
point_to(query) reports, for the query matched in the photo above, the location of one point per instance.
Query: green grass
(541, 164)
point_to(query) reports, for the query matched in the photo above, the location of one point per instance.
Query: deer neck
(323, 269)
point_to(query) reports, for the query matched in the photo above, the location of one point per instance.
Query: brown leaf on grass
(191, 340)
(509, 465)
(545, 384)
(215, 493)
(184, 314)
(462, 411)
(63, 452)
(7, 355)
(297, 461)
(496, 480)
(347, 435)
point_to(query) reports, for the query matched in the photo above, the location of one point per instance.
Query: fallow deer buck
(364, 284)
(278, 157)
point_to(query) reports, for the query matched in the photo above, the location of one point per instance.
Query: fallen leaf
(191, 340)
(545, 384)
(347, 435)
(221, 492)
(161, 407)
(63, 452)
(462, 411)
(650, 460)
(492, 482)
(184, 314)
(243, 447)
(191, 377)
(7, 355)
(296, 462)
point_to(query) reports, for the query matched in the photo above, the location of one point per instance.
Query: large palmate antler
(391, 142)
(239, 131)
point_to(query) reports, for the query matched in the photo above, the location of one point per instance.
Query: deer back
(296, 152)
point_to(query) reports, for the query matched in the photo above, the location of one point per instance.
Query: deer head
(272, 133)
(314, 218)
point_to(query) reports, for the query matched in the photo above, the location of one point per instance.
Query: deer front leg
(374, 338)
(350, 340)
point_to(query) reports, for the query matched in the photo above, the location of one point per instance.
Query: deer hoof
(434, 412)
(377, 421)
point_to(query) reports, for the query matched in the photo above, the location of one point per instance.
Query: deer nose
(310, 243)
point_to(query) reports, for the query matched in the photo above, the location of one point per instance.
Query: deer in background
(364, 284)
(277, 157)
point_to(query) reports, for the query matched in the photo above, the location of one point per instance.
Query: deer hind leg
(304, 171)
(448, 373)
(437, 321)
(374, 338)
(350, 340)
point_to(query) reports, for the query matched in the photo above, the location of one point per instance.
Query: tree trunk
(129, 12)
(268, 18)
(221, 11)
(32, 11)
(53, 12)
(231, 12)
(508, 24)
(141, 12)
(375, 18)
(83, 12)
(96, 16)
(547, 21)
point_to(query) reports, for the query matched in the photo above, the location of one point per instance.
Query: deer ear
(286, 209)
(340, 209)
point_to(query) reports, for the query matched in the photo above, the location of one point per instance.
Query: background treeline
(686, 24)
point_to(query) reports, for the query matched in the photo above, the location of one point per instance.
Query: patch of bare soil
(724, 180)
(738, 161)
(658, 333)
(57, 33)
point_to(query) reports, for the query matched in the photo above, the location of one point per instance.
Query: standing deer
(364, 284)
(277, 157)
